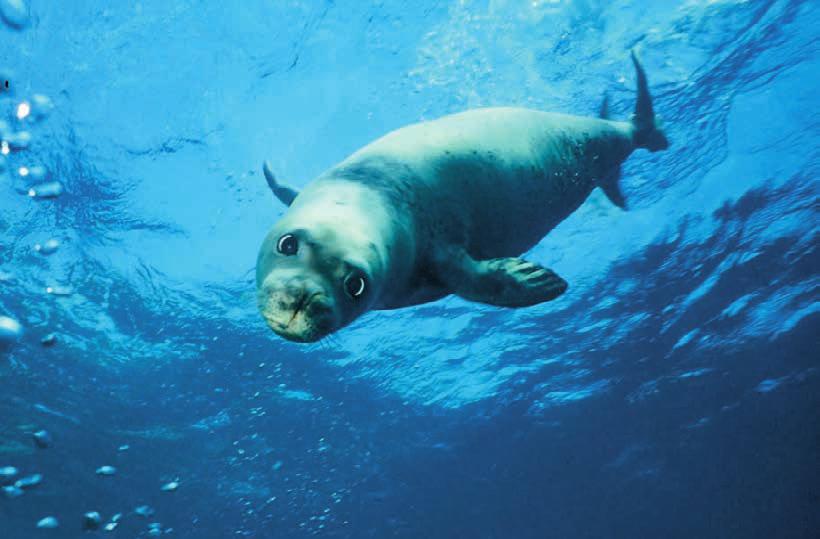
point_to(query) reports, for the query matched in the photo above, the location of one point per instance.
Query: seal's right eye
(288, 245)
(354, 285)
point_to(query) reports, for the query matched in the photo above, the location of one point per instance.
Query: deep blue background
(672, 392)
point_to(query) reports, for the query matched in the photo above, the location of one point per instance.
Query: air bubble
(7, 473)
(15, 13)
(46, 190)
(106, 470)
(59, 290)
(170, 486)
(29, 481)
(10, 329)
(48, 247)
(48, 523)
(92, 520)
(42, 439)
(23, 110)
(41, 106)
(17, 141)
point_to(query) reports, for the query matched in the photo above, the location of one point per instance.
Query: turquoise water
(673, 391)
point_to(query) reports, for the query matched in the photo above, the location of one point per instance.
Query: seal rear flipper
(612, 188)
(284, 193)
(505, 282)
(647, 132)
(603, 111)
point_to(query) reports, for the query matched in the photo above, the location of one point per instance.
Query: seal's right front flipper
(506, 282)
(284, 193)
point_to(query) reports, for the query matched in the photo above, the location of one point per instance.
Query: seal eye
(354, 285)
(287, 245)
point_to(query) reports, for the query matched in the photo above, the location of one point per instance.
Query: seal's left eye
(354, 285)
(287, 245)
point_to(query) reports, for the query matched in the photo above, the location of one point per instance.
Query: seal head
(319, 268)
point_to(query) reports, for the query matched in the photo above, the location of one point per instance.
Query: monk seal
(437, 208)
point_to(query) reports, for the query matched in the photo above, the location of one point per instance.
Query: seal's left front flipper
(506, 282)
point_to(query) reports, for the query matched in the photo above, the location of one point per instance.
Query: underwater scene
(496, 269)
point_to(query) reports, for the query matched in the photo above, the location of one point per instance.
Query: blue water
(673, 391)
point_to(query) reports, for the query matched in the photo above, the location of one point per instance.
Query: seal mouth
(294, 336)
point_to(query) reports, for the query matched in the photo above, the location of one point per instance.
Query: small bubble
(42, 439)
(170, 486)
(92, 520)
(23, 110)
(15, 13)
(106, 470)
(12, 491)
(10, 329)
(48, 523)
(17, 141)
(7, 473)
(48, 247)
(29, 481)
(46, 190)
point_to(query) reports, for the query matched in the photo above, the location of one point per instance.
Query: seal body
(441, 207)
(500, 178)
(493, 180)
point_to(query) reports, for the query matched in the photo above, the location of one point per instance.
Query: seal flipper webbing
(284, 193)
(647, 133)
(505, 282)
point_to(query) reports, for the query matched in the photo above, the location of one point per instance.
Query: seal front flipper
(506, 282)
(284, 193)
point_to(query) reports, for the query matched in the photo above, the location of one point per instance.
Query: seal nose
(297, 293)
(296, 307)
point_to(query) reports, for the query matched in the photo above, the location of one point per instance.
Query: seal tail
(647, 132)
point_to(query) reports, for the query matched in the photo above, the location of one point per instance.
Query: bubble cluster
(20, 121)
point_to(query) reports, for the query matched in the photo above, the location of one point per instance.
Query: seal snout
(297, 309)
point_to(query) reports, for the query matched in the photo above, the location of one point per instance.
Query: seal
(437, 208)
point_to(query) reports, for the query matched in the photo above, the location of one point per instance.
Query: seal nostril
(298, 305)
